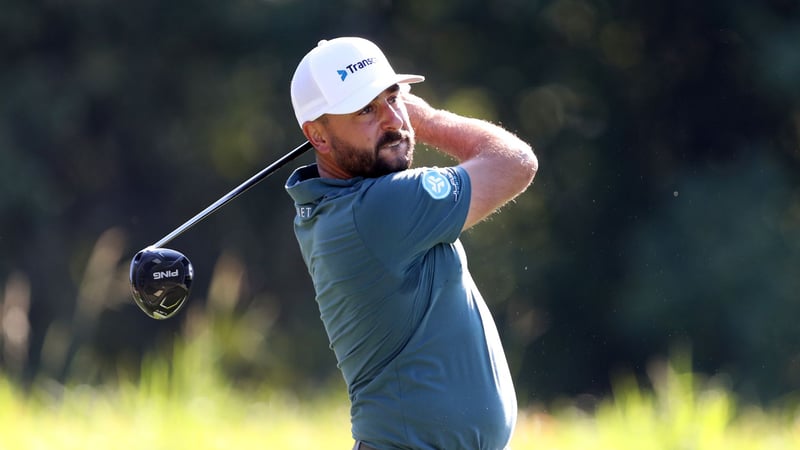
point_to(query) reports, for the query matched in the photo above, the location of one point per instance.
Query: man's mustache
(391, 136)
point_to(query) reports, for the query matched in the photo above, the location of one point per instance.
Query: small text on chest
(304, 211)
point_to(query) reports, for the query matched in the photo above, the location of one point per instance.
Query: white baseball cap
(341, 76)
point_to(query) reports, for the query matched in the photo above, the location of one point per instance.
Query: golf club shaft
(239, 190)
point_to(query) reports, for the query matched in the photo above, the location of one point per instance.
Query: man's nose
(391, 116)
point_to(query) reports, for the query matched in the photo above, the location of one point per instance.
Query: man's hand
(418, 110)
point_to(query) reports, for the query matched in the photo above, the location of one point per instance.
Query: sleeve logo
(436, 184)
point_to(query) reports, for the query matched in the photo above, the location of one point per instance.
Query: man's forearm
(461, 137)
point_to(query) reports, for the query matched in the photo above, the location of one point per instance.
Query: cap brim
(367, 94)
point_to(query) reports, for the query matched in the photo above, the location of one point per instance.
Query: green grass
(180, 404)
(182, 401)
(683, 411)
(185, 405)
(136, 419)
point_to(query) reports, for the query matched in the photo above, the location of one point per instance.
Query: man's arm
(500, 165)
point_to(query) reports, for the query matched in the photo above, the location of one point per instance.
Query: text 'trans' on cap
(341, 76)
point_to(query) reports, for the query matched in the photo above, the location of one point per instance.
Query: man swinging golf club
(414, 339)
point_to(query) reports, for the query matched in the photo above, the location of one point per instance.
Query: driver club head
(161, 279)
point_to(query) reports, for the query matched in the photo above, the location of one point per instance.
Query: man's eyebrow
(393, 88)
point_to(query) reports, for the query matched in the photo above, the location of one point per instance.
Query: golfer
(414, 339)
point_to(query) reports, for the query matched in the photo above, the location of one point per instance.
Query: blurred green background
(666, 211)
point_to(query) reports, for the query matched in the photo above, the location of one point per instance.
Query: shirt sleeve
(404, 214)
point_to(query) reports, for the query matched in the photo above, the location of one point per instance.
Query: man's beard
(378, 161)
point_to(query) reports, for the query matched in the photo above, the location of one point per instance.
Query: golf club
(161, 278)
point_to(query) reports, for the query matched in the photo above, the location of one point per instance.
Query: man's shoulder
(434, 182)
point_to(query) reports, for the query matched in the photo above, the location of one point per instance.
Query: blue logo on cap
(436, 184)
(355, 67)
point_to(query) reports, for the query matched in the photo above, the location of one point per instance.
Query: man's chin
(395, 158)
(389, 166)
(402, 162)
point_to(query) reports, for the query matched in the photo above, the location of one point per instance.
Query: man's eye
(368, 109)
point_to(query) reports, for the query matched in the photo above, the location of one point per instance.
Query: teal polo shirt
(414, 339)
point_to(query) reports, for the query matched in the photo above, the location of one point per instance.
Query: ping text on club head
(165, 274)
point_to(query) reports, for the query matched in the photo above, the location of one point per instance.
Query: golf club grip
(239, 190)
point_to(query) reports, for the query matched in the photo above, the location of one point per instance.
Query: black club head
(161, 279)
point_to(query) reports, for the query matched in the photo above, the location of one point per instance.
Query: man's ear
(315, 134)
